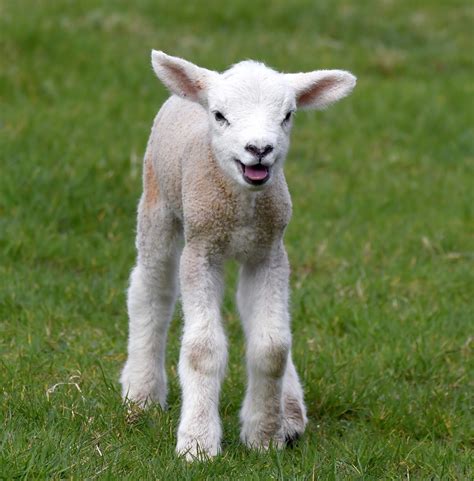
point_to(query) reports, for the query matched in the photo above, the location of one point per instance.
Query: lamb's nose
(259, 153)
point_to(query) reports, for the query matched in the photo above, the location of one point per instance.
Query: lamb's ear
(318, 89)
(181, 77)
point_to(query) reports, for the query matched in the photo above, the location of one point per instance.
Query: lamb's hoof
(197, 448)
(142, 393)
(263, 443)
(291, 439)
(294, 420)
(262, 435)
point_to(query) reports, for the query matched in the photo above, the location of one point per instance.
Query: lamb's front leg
(203, 355)
(273, 411)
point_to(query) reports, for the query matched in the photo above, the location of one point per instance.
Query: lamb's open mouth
(254, 174)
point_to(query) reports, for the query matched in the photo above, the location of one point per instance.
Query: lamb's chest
(249, 243)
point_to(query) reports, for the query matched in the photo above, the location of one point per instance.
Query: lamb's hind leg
(150, 301)
(273, 411)
(294, 410)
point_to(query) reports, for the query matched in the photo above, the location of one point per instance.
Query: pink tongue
(255, 172)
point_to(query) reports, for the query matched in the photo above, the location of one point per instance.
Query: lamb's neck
(242, 195)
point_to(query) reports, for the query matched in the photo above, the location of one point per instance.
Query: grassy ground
(381, 241)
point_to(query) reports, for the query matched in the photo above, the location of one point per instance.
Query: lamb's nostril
(259, 153)
(252, 149)
(268, 148)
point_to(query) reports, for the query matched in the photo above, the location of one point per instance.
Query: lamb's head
(250, 109)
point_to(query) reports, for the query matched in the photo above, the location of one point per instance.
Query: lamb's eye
(220, 118)
(288, 116)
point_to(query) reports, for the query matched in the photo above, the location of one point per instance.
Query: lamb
(213, 177)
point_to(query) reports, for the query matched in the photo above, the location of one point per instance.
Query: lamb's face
(250, 111)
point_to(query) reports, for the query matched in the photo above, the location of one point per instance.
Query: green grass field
(381, 242)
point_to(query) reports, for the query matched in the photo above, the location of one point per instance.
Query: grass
(381, 242)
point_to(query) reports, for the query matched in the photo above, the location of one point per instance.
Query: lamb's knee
(204, 356)
(138, 294)
(157, 282)
(269, 355)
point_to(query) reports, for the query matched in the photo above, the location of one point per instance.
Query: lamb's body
(220, 191)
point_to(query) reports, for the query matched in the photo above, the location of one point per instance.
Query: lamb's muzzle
(213, 178)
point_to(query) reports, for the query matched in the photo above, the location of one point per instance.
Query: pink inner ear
(316, 90)
(188, 87)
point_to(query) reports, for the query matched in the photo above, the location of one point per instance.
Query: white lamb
(213, 176)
